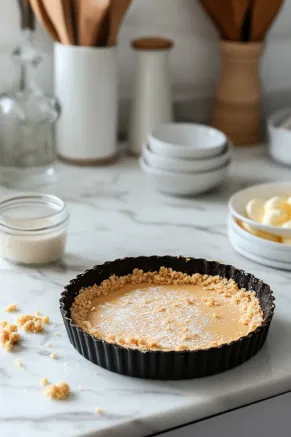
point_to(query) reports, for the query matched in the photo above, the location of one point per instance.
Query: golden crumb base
(59, 391)
(167, 310)
(8, 335)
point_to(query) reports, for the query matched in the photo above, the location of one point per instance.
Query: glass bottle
(27, 116)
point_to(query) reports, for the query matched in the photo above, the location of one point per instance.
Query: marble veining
(114, 213)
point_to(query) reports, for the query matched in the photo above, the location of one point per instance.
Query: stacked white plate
(270, 253)
(186, 158)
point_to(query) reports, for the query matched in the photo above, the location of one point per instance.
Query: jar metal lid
(32, 212)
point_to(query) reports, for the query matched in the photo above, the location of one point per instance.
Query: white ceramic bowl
(238, 202)
(259, 246)
(186, 140)
(279, 137)
(183, 165)
(250, 253)
(184, 184)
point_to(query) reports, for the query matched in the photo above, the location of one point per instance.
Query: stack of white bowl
(264, 244)
(279, 131)
(186, 158)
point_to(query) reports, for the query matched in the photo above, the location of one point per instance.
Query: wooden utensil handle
(27, 19)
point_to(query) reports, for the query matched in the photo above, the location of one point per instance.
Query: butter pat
(275, 211)
(277, 202)
(275, 217)
(255, 209)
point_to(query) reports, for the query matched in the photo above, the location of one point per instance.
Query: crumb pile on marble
(32, 323)
(9, 335)
(59, 391)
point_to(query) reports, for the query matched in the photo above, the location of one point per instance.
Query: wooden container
(238, 104)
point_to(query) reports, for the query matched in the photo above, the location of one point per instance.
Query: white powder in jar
(33, 229)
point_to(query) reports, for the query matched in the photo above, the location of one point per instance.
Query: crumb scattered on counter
(59, 391)
(37, 313)
(57, 334)
(18, 363)
(10, 308)
(44, 381)
(98, 410)
(49, 345)
(30, 323)
(46, 319)
(8, 335)
(53, 355)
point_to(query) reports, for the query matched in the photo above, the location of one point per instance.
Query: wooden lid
(152, 43)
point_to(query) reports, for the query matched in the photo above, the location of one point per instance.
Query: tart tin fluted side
(156, 364)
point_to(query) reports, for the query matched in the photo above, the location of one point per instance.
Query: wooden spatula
(221, 14)
(60, 14)
(117, 11)
(91, 16)
(44, 19)
(263, 14)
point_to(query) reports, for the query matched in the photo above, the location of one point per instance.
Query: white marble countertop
(114, 214)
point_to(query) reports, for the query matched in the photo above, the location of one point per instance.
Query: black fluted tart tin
(154, 364)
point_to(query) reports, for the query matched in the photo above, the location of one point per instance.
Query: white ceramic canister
(86, 87)
(152, 99)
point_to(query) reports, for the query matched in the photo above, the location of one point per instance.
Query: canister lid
(152, 43)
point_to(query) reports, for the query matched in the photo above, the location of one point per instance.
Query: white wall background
(195, 58)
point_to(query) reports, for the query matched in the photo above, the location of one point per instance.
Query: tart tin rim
(241, 273)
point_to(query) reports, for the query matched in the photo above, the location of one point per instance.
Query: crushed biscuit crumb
(210, 302)
(98, 410)
(59, 391)
(53, 355)
(10, 308)
(37, 313)
(30, 323)
(8, 335)
(18, 363)
(44, 381)
(46, 320)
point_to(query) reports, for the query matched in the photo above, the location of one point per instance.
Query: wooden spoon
(221, 14)
(60, 14)
(27, 18)
(239, 10)
(118, 9)
(75, 18)
(43, 18)
(91, 16)
(263, 15)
